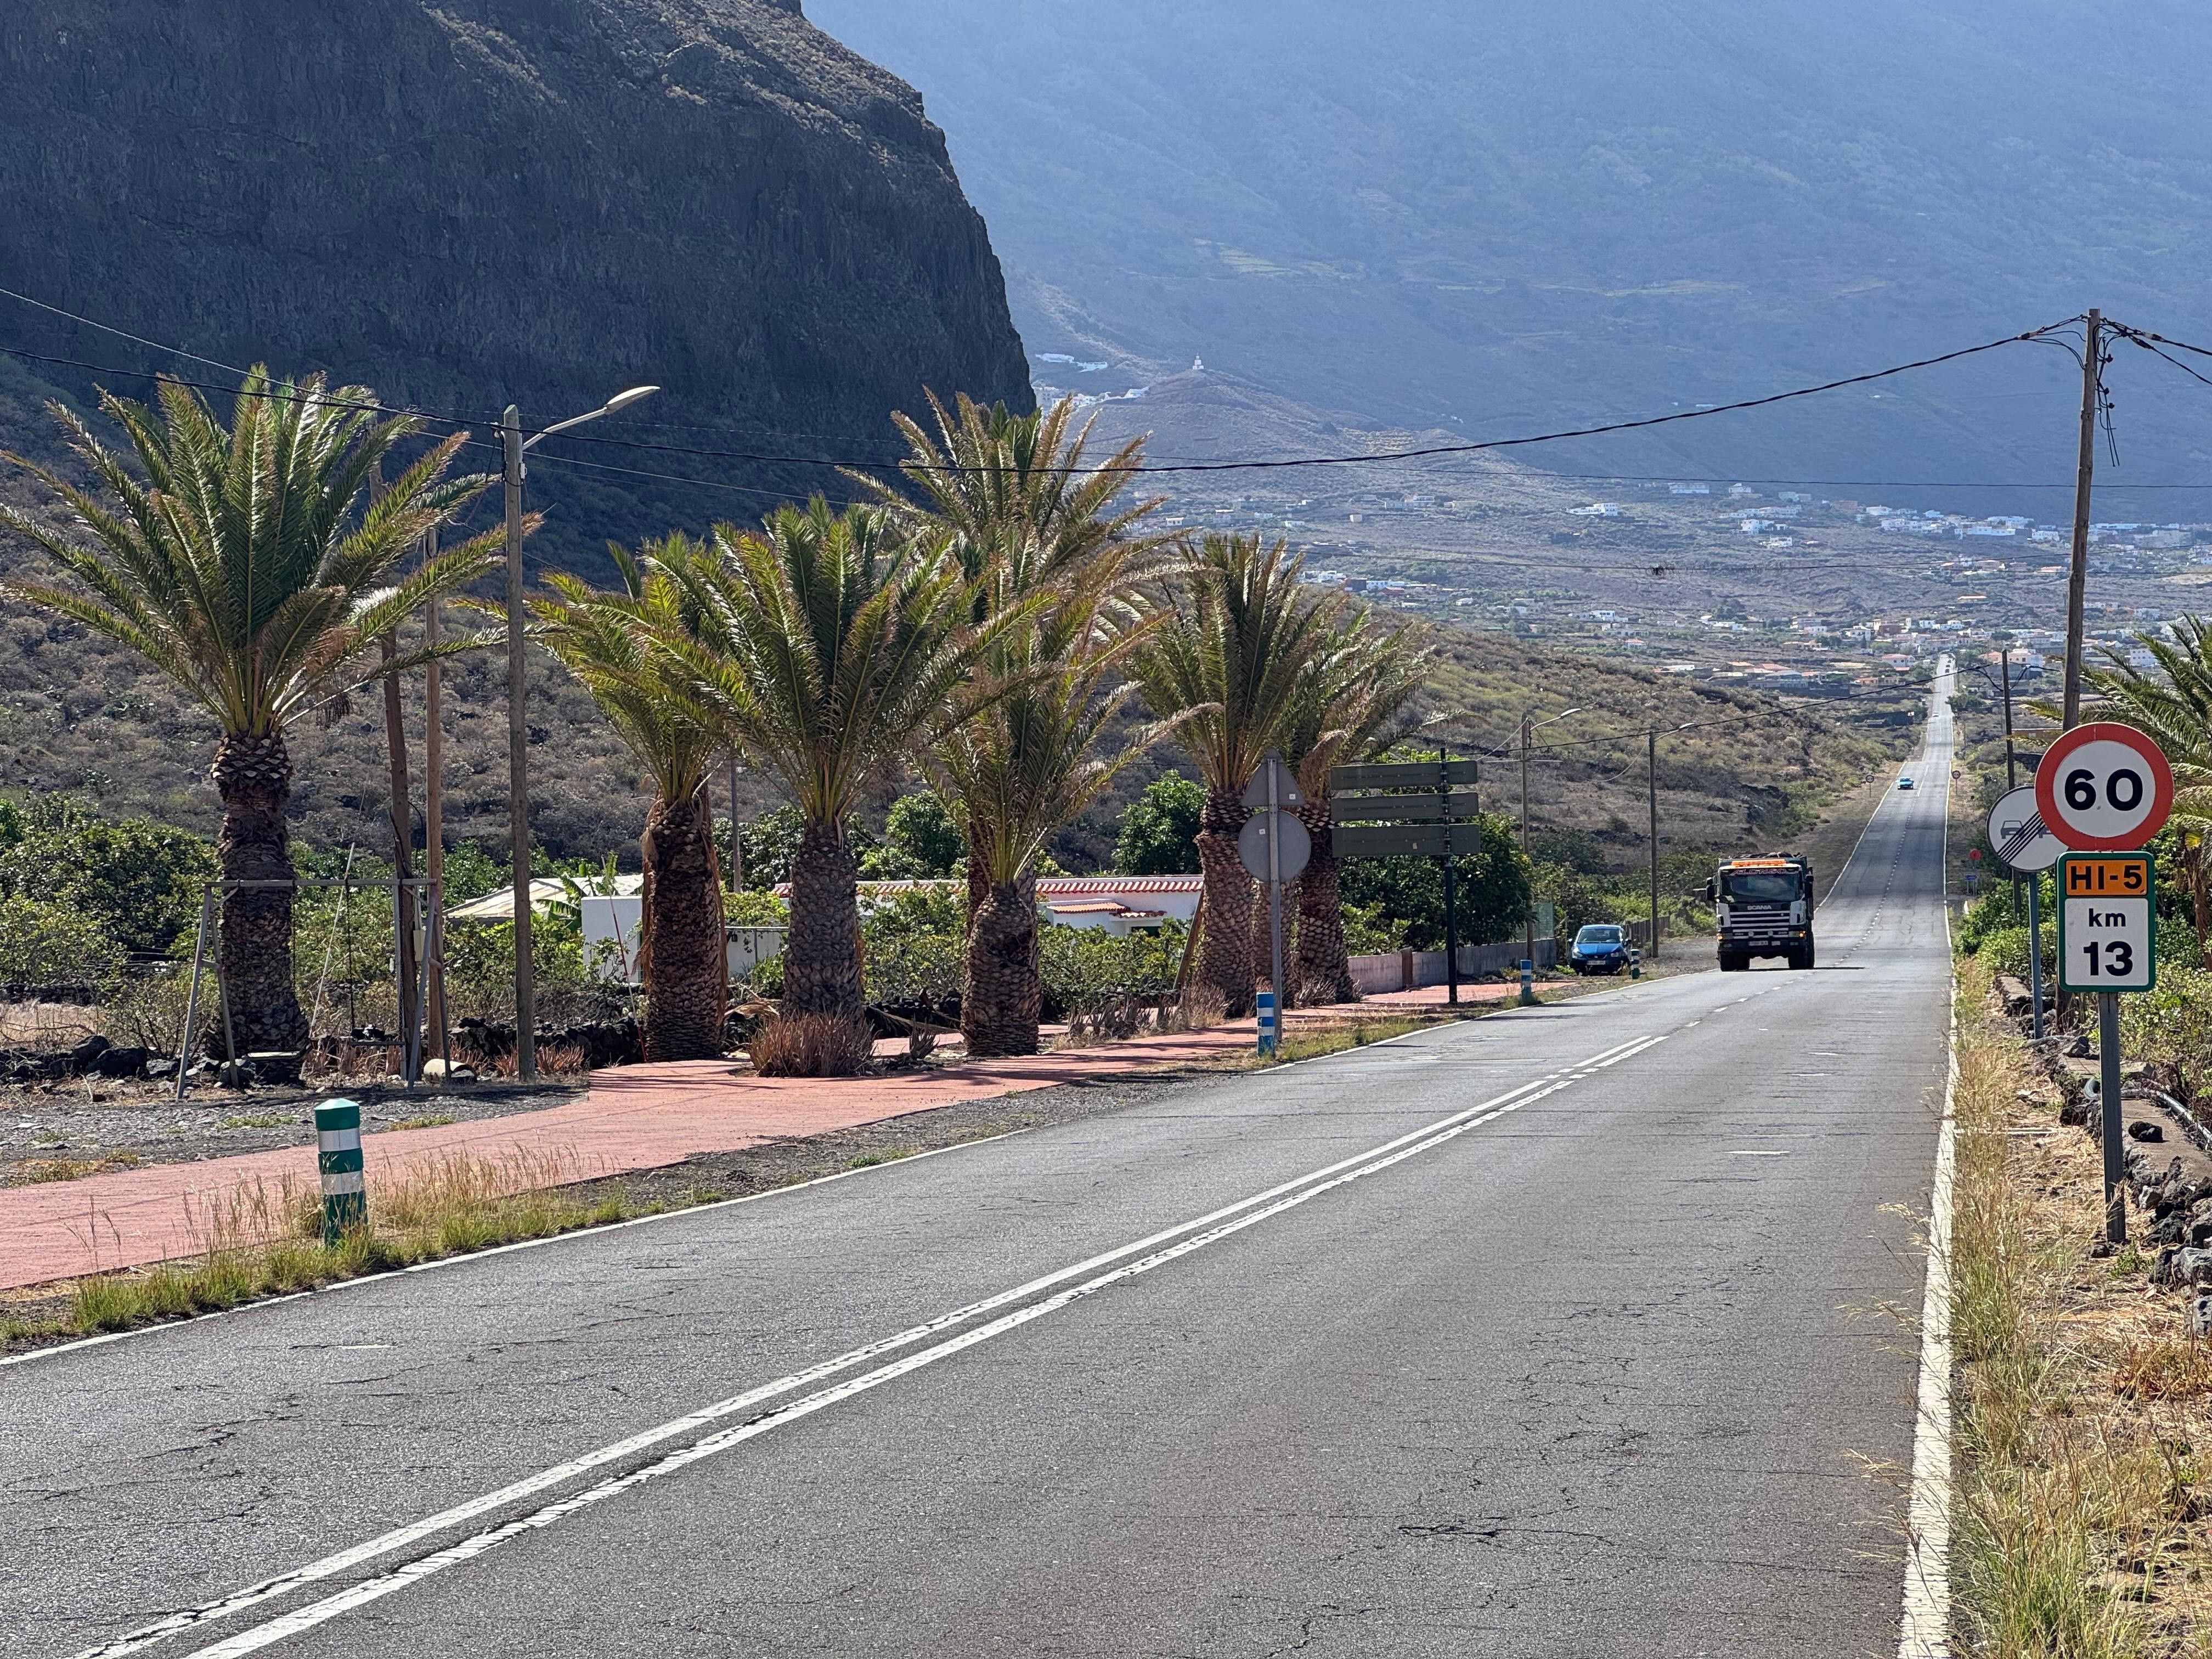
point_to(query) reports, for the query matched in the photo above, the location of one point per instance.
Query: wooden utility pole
(518, 758)
(1528, 934)
(737, 835)
(2077, 577)
(1651, 800)
(402, 868)
(433, 814)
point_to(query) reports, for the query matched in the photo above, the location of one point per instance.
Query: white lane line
(1925, 1633)
(468, 1549)
(400, 1538)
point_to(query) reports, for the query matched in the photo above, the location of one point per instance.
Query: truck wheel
(1732, 963)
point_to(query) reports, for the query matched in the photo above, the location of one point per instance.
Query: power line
(123, 334)
(1249, 465)
(1387, 455)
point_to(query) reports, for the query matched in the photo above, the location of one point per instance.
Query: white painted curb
(1925, 1633)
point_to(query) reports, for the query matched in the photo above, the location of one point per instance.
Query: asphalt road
(1565, 1331)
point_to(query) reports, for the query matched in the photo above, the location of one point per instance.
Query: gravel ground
(95, 1118)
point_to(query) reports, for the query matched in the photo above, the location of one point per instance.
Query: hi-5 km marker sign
(2104, 789)
(2107, 922)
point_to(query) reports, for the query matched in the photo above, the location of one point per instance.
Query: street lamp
(518, 759)
(1527, 729)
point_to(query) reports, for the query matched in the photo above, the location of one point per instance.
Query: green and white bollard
(1267, 1008)
(338, 1154)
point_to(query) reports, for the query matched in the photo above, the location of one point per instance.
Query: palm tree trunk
(1001, 991)
(1225, 951)
(1323, 975)
(821, 954)
(254, 777)
(683, 958)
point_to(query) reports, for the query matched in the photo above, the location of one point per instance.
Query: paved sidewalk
(636, 1118)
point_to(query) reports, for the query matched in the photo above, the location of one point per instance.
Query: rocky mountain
(466, 202)
(1503, 219)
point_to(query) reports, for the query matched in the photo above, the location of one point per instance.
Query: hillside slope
(473, 202)
(1506, 218)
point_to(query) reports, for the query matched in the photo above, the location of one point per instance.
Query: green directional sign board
(1402, 841)
(1402, 809)
(1400, 774)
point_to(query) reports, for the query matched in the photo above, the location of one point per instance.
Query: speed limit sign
(2104, 789)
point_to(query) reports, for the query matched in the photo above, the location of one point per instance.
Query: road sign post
(1274, 847)
(2021, 841)
(2106, 789)
(1407, 825)
(2108, 943)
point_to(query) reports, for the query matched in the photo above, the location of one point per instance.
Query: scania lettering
(1763, 907)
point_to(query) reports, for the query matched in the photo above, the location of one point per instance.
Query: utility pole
(2077, 577)
(518, 760)
(518, 732)
(1451, 909)
(736, 833)
(434, 812)
(1529, 932)
(404, 968)
(1651, 800)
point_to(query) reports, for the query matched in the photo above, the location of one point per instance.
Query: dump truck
(1763, 907)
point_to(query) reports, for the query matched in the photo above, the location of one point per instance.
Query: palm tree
(1032, 528)
(1350, 693)
(605, 638)
(236, 566)
(1228, 659)
(835, 650)
(2173, 704)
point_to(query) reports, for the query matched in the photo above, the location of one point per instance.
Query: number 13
(2118, 960)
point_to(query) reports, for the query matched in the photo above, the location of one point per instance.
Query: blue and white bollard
(1266, 1006)
(1528, 982)
(338, 1154)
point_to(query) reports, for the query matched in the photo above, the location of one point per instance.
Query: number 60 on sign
(2107, 922)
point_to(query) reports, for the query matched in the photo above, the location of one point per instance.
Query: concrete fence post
(338, 1154)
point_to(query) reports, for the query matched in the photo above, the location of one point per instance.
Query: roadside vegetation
(943, 682)
(2083, 1404)
(261, 1241)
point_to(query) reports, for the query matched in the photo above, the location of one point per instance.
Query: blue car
(1599, 948)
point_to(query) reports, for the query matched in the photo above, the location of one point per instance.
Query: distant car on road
(1905, 783)
(1599, 948)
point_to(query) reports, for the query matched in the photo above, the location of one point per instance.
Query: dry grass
(2084, 1437)
(48, 1025)
(34, 1172)
(810, 1045)
(258, 1240)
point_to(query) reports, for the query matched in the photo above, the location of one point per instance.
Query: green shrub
(753, 908)
(1368, 932)
(55, 944)
(913, 968)
(2172, 1025)
(1088, 974)
(137, 881)
(1159, 832)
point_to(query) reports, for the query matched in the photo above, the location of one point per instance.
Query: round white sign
(2017, 834)
(2104, 787)
(1291, 856)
